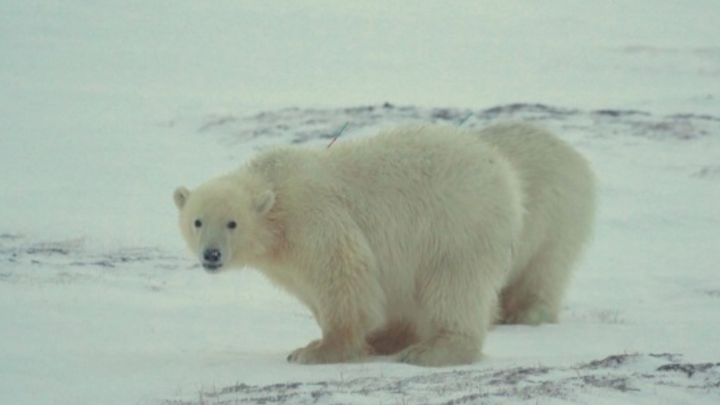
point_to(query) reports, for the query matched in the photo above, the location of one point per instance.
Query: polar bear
(410, 243)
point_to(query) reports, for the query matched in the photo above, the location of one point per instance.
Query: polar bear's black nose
(212, 255)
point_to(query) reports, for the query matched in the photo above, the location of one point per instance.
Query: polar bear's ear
(181, 196)
(264, 202)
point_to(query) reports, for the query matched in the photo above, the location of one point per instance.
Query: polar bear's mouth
(211, 267)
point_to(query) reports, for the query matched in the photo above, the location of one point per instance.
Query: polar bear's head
(222, 222)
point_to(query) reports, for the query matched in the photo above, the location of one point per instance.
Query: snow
(106, 108)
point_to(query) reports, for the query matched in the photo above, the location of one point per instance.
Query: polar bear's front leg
(344, 294)
(336, 349)
(344, 327)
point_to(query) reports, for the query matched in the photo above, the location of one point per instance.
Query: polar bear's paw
(533, 316)
(302, 355)
(319, 353)
(442, 352)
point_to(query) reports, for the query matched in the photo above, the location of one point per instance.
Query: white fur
(406, 242)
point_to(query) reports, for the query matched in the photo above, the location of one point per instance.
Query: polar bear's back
(434, 172)
(558, 187)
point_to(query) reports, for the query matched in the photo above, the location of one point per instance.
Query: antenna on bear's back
(462, 121)
(337, 134)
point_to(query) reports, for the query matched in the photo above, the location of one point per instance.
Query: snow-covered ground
(106, 108)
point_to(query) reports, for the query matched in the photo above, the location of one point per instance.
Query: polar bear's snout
(212, 259)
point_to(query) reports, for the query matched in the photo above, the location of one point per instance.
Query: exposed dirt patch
(622, 374)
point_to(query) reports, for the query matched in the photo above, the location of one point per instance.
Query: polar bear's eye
(198, 223)
(232, 225)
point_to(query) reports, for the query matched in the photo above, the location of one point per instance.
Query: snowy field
(106, 108)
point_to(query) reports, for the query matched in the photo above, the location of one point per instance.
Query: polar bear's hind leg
(536, 295)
